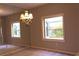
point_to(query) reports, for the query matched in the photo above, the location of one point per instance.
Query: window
(53, 28)
(15, 30)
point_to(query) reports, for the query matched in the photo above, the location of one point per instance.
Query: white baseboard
(54, 50)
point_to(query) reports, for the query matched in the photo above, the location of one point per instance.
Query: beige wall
(1, 35)
(71, 28)
(7, 21)
(4, 29)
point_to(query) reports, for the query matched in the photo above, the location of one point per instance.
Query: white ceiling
(10, 8)
(26, 5)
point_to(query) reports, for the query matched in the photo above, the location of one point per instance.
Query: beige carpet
(11, 50)
(36, 52)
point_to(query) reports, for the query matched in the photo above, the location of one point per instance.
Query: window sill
(55, 39)
(16, 37)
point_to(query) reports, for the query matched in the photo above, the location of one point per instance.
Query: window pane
(15, 31)
(54, 27)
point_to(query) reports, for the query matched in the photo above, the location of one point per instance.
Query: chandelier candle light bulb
(26, 13)
(30, 16)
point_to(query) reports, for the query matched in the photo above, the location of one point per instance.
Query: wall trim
(55, 50)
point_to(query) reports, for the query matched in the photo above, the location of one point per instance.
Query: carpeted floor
(21, 51)
(7, 49)
(37, 52)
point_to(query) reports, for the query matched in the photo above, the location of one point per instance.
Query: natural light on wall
(53, 28)
(15, 30)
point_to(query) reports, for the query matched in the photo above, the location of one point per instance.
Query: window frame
(43, 28)
(12, 29)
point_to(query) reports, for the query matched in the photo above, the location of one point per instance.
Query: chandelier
(26, 17)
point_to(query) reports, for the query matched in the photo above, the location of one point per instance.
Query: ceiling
(10, 8)
(26, 5)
